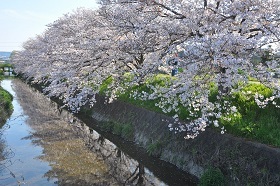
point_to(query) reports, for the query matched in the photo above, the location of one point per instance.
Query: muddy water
(44, 145)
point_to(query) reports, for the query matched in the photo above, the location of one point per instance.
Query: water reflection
(72, 153)
(125, 169)
(18, 163)
(77, 154)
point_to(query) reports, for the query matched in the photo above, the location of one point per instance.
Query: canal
(43, 145)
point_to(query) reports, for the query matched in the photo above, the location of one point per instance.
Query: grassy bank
(251, 122)
(6, 107)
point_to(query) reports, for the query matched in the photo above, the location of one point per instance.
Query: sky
(24, 19)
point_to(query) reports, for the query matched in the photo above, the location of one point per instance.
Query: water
(48, 146)
(21, 165)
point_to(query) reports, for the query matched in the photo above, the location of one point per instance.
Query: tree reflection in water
(6, 154)
(77, 154)
(124, 168)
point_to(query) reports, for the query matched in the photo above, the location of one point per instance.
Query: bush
(212, 177)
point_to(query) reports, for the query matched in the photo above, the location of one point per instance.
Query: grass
(1, 74)
(6, 65)
(6, 107)
(125, 130)
(212, 177)
(252, 122)
(149, 104)
(154, 148)
(161, 80)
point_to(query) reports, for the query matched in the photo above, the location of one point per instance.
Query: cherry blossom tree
(218, 40)
(213, 41)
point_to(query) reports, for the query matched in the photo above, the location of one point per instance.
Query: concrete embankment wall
(240, 160)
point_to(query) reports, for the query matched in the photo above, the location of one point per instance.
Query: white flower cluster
(263, 102)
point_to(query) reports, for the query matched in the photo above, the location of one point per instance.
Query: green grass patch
(154, 148)
(212, 177)
(125, 130)
(6, 107)
(253, 122)
(105, 84)
(160, 80)
(260, 124)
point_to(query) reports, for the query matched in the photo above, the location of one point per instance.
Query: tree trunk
(221, 84)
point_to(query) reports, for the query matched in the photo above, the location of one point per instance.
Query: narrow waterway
(19, 164)
(44, 145)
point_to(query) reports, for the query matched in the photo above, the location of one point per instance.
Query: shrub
(212, 177)
(154, 148)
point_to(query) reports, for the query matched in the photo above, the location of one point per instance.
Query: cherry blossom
(212, 42)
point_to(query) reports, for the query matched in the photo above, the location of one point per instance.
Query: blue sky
(24, 19)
